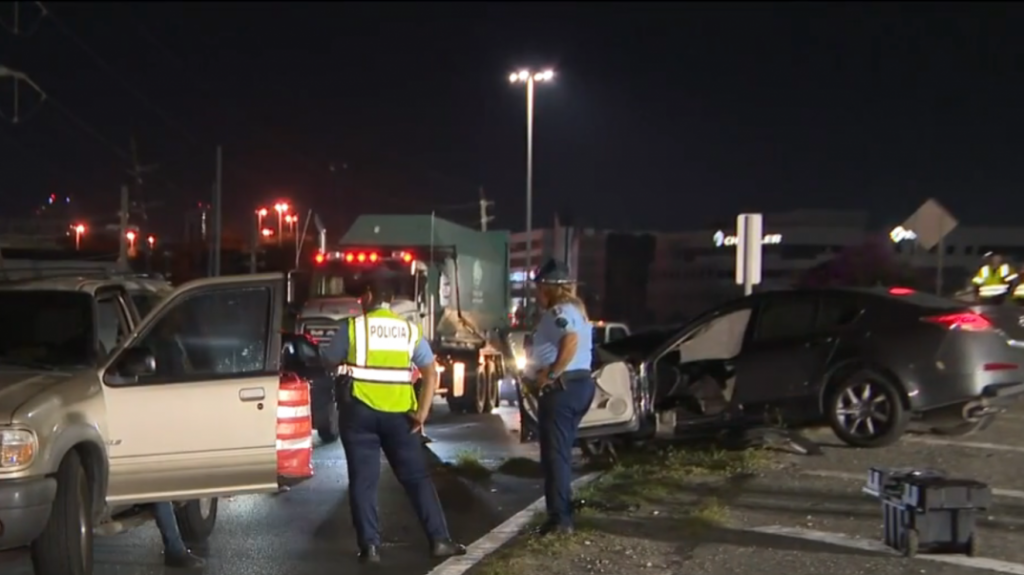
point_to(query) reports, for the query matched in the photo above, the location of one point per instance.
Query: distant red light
(900, 291)
(319, 258)
(406, 257)
(349, 258)
(361, 257)
(373, 257)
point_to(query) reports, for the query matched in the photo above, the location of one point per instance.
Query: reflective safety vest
(992, 283)
(380, 360)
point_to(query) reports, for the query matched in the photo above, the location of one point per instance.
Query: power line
(119, 77)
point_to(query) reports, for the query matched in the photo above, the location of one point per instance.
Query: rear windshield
(52, 329)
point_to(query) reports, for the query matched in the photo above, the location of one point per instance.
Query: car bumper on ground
(24, 510)
(994, 399)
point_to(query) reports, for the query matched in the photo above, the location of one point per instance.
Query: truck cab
(331, 300)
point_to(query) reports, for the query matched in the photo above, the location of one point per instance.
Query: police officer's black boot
(552, 527)
(369, 554)
(183, 560)
(446, 548)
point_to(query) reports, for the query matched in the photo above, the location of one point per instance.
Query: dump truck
(455, 286)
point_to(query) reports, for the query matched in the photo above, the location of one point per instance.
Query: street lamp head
(524, 76)
(130, 235)
(151, 240)
(267, 232)
(80, 229)
(261, 212)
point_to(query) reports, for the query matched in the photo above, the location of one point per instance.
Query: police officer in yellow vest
(380, 411)
(993, 280)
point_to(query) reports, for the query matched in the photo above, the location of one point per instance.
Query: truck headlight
(17, 448)
(520, 363)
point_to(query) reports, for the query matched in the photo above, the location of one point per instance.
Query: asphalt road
(307, 531)
(810, 517)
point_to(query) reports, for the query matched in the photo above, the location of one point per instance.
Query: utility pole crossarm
(485, 217)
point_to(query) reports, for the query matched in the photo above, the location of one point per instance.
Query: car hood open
(17, 386)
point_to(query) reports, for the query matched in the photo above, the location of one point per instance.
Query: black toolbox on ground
(925, 511)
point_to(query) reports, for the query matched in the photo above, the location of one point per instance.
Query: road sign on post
(930, 225)
(749, 236)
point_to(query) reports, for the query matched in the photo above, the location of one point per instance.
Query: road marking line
(849, 542)
(1008, 493)
(968, 444)
(500, 535)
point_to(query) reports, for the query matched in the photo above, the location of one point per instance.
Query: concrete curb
(499, 536)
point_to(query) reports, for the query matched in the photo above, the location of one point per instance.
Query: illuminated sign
(901, 234)
(721, 239)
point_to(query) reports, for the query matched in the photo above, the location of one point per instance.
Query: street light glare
(513, 77)
(523, 75)
(548, 74)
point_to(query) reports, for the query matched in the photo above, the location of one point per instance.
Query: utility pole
(122, 257)
(216, 242)
(484, 216)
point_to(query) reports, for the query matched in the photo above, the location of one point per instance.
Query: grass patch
(467, 464)
(521, 467)
(680, 485)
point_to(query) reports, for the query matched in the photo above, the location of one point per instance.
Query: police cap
(553, 272)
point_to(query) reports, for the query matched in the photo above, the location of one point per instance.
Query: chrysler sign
(721, 239)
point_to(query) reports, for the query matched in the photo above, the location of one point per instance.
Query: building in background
(695, 270)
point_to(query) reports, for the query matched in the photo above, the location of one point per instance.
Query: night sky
(661, 116)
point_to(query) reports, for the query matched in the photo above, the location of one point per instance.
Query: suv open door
(191, 396)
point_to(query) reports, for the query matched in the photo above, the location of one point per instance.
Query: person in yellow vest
(379, 410)
(1017, 294)
(993, 280)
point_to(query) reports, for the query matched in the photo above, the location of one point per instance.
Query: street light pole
(530, 79)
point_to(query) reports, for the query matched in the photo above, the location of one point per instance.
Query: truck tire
(65, 545)
(196, 520)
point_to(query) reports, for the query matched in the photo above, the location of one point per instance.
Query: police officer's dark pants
(559, 415)
(364, 433)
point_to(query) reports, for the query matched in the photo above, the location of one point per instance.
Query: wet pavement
(308, 531)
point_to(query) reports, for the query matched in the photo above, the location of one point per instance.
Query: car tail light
(900, 291)
(349, 257)
(967, 321)
(319, 257)
(373, 258)
(361, 257)
(1000, 366)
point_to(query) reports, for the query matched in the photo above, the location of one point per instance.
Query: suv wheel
(65, 546)
(196, 519)
(866, 410)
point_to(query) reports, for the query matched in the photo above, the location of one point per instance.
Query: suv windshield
(47, 329)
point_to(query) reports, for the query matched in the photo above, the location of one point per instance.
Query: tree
(872, 263)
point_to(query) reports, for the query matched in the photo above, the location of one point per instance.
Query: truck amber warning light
(361, 257)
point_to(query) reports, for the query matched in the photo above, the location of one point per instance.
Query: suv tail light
(967, 321)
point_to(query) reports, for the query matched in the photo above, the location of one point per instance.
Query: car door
(784, 351)
(199, 420)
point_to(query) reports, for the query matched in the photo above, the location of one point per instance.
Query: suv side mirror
(136, 362)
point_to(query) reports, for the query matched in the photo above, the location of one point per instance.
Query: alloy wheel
(864, 410)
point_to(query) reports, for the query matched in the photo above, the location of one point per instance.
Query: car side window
(616, 333)
(111, 323)
(837, 312)
(786, 318)
(212, 334)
